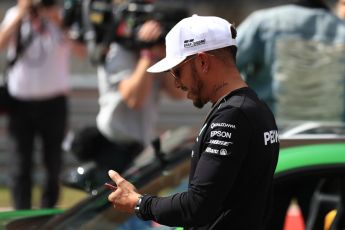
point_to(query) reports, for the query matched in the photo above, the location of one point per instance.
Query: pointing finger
(115, 177)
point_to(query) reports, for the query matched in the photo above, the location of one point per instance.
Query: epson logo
(223, 125)
(191, 43)
(221, 134)
(271, 137)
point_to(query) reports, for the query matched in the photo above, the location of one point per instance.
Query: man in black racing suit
(236, 150)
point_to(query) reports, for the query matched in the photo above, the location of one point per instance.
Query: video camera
(102, 22)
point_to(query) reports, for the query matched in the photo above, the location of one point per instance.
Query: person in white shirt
(38, 81)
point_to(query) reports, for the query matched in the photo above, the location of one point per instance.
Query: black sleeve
(225, 145)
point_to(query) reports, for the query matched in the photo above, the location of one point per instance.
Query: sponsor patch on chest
(221, 134)
(271, 137)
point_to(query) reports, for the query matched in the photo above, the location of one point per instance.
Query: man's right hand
(125, 196)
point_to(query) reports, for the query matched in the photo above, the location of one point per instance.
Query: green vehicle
(311, 151)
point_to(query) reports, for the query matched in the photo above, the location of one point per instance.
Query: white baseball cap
(193, 35)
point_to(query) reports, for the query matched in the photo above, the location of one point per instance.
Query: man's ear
(204, 62)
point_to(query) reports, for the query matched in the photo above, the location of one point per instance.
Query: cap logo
(191, 43)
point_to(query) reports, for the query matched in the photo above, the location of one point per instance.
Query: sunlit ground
(68, 198)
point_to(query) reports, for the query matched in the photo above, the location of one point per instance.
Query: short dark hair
(233, 49)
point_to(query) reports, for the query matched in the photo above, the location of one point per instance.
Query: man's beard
(197, 102)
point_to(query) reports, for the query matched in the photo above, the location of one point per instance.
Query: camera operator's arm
(11, 22)
(137, 87)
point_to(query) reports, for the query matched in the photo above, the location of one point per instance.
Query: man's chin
(199, 104)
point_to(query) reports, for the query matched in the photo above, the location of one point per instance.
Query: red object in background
(155, 224)
(294, 219)
(110, 186)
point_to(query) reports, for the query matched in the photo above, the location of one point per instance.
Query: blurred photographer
(129, 97)
(38, 80)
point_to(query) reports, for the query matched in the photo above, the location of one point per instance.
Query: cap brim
(165, 64)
